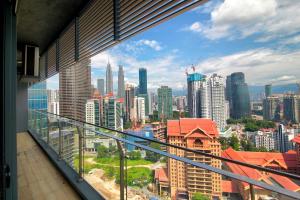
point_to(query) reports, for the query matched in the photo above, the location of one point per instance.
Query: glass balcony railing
(122, 165)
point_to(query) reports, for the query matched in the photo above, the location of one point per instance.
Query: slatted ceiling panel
(51, 70)
(96, 25)
(67, 47)
(163, 11)
(42, 68)
(95, 28)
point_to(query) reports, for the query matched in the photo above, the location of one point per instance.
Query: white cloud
(291, 40)
(270, 19)
(196, 27)
(261, 66)
(150, 43)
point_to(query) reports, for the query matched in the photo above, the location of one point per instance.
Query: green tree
(127, 125)
(102, 151)
(151, 156)
(200, 196)
(249, 126)
(134, 155)
(234, 142)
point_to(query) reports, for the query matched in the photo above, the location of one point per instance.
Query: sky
(259, 38)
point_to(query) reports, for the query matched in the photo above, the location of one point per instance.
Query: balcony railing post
(252, 195)
(48, 130)
(80, 167)
(41, 125)
(59, 139)
(122, 174)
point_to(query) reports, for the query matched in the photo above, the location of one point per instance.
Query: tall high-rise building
(75, 89)
(121, 84)
(291, 108)
(109, 80)
(197, 134)
(150, 104)
(239, 96)
(206, 98)
(53, 101)
(139, 108)
(129, 102)
(228, 95)
(143, 81)
(112, 113)
(145, 96)
(216, 100)
(100, 86)
(92, 114)
(165, 103)
(283, 139)
(37, 100)
(195, 83)
(271, 108)
(268, 90)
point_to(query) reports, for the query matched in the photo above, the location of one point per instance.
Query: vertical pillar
(252, 194)
(59, 139)
(122, 158)
(80, 167)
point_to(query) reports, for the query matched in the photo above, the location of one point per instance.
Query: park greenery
(199, 196)
(108, 159)
(243, 145)
(252, 125)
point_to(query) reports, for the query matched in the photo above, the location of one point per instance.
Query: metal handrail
(251, 182)
(273, 171)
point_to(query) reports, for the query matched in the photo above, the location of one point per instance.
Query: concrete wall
(22, 107)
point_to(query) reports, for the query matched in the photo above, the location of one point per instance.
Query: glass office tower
(143, 81)
(38, 101)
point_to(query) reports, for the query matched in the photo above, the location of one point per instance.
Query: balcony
(92, 175)
(67, 158)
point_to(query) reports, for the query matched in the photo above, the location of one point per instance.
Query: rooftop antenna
(193, 67)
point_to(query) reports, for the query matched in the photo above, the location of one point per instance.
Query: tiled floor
(37, 177)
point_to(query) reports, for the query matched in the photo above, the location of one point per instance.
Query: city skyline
(212, 44)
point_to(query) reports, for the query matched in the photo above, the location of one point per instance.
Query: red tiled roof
(229, 187)
(184, 126)
(161, 175)
(284, 160)
(262, 158)
(296, 139)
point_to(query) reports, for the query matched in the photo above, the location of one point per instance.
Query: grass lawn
(116, 162)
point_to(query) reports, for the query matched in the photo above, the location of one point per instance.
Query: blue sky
(259, 38)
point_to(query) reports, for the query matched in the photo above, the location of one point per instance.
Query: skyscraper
(92, 114)
(143, 81)
(129, 102)
(139, 108)
(109, 79)
(37, 100)
(100, 86)
(291, 108)
(197, 134)
(239, 96)
(165, 103)
(216, 100)
(194, 82)
(271, 108)
(206, 98)
(121, 86)
(228, 95)
(268, 90)
(75, 89)
(112, 113)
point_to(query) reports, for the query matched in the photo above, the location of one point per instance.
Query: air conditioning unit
(29, 71)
